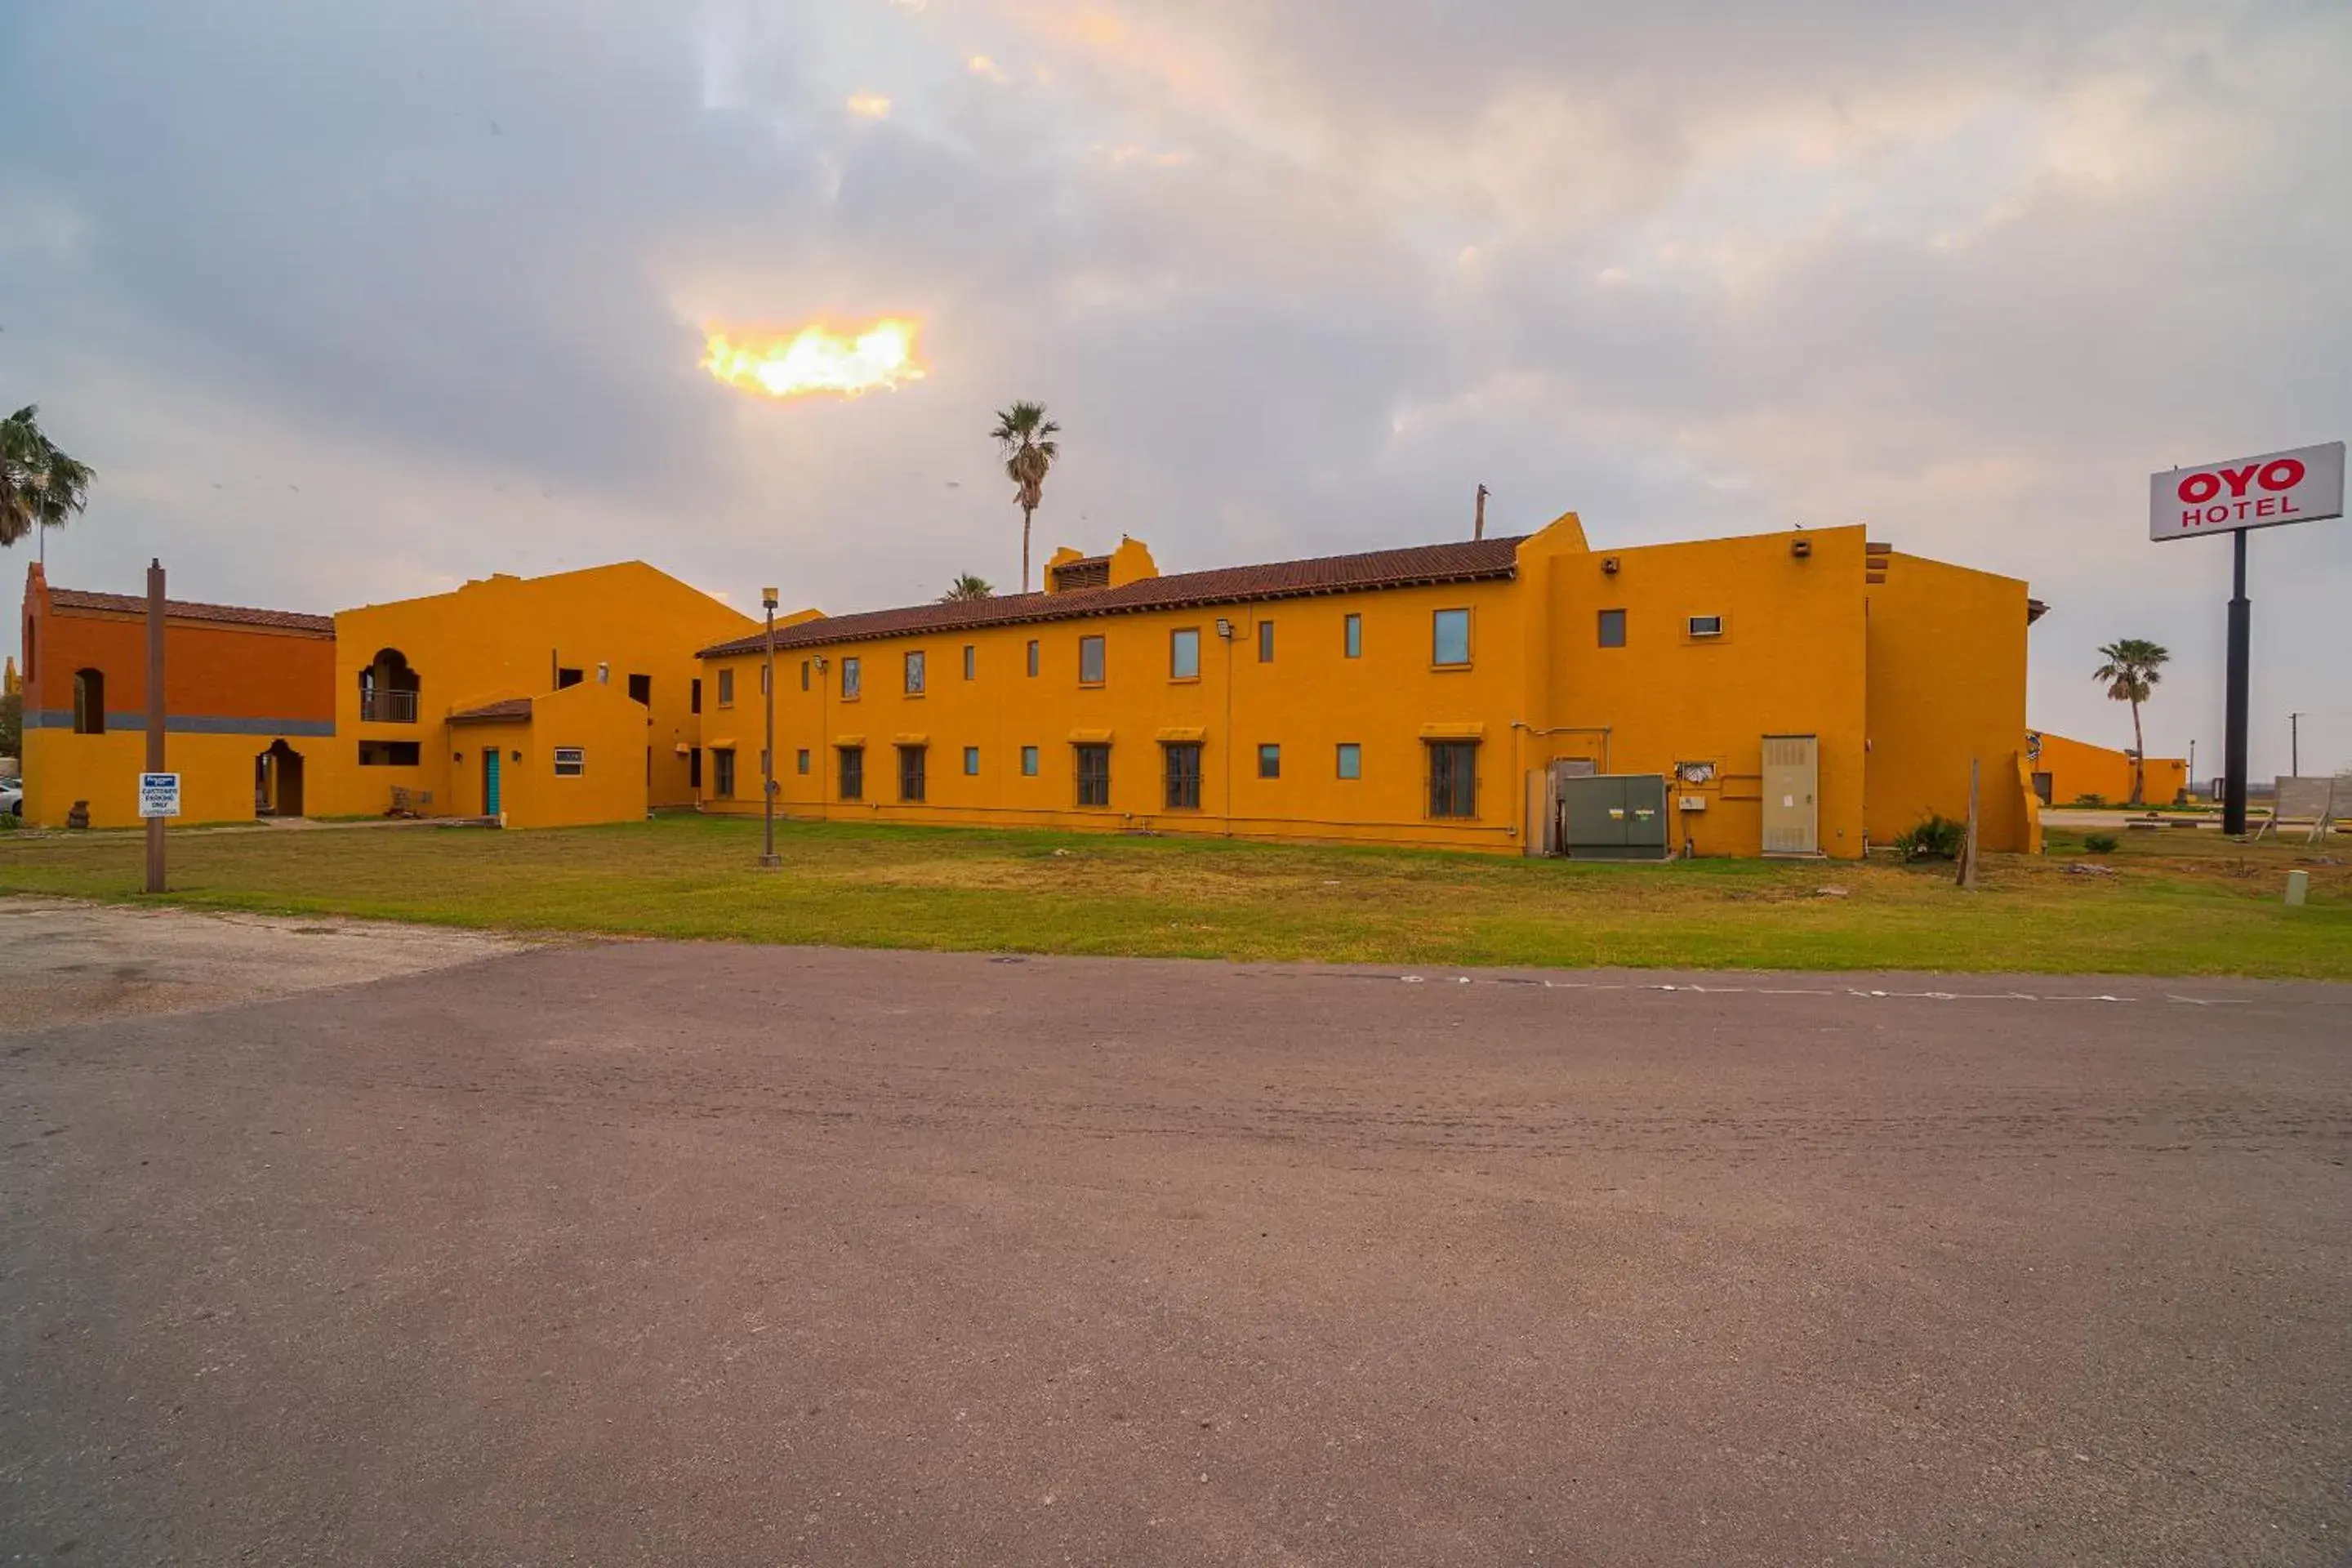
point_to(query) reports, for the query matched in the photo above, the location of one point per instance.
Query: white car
(12, 796)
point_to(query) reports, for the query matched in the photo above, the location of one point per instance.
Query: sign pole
(154, 715)
(2303, 484)
(2233, 737)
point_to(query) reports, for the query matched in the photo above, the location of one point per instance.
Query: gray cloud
(1295, 277)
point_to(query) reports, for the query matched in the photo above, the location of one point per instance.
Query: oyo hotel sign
(2298, 486)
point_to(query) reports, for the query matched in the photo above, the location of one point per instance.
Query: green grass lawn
(2179, 902)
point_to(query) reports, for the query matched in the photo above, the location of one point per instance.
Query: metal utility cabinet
(1615, 817)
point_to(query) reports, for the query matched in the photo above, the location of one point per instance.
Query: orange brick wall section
(224, 671)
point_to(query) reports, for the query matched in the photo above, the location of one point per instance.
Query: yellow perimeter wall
(2077, 768)
(1810, 647)
(216, 775)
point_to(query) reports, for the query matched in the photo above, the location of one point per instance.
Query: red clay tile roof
(1466, 561)
(184, 610)
(491, 712)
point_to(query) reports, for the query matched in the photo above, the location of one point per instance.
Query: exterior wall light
(1609, 566)
(1800, 548)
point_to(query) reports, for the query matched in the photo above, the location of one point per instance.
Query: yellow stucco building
(544, 701)
(555, 700)
(1796, 693)
(2065, 772)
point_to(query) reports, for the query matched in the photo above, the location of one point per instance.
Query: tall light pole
(2294, 745)
(767, 860)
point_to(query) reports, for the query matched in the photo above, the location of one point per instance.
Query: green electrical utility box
(1615, 817)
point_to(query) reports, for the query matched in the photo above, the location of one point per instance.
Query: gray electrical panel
(1615, 817)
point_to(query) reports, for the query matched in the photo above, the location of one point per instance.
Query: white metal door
(1792, 818)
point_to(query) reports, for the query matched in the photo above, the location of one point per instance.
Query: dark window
(1185, 776)
(694, 698)
(804, 675)
(571, 761)
(1707, 625)
(1090, 661)
(1449, 639)
(722, 772)
(89, 702)
(1265, 642)
(972, 761)
(1612, 628)
(1094, 775)
(1184, 654)
(1352, 636)
(388, 753)
(853, 773)
(971, 661)
(693, 765)
(1269, 762)
(914, 674)
(801, 760)
(564, 678)
(641, 690)
(853, 679)
(727, 689)
(1032, 656)
(1454, 778)
(910, 771)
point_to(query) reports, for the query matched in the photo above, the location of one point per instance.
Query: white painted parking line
(1693, 988)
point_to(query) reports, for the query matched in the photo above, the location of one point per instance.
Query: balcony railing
(388, 707)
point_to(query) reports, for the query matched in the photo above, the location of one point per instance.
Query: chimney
(1478, 526)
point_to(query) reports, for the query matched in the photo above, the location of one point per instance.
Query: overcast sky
(352, 301)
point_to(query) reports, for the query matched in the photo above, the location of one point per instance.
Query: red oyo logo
(2203, 492)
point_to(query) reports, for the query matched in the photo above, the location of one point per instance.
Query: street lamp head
(768, 598)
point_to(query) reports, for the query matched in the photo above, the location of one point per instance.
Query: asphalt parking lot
(649, 1253)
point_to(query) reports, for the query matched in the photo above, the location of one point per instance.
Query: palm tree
(1026, 437)
(968, 586)
(40, 487)
(2133, 668)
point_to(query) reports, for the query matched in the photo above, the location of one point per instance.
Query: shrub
(2100, 843)
(1938, 838)
(2091, 800)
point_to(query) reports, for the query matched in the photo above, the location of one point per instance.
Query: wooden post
(1969, 843)
(154, 715)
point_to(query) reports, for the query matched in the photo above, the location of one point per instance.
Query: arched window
(89, 702)
(388, 689)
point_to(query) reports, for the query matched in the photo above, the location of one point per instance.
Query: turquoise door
(489, 781)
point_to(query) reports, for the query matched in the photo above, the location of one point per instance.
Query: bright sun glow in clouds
(815, 358)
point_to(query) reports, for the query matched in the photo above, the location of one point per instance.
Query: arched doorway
(278, 782)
